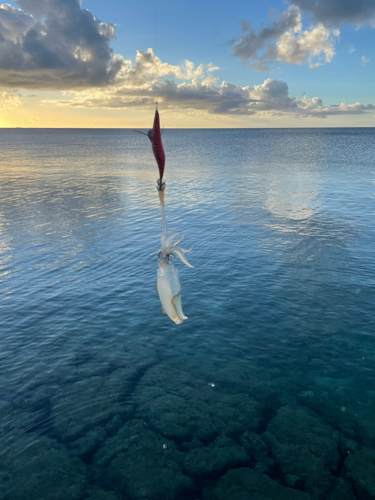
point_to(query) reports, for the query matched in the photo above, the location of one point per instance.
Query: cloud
(14, 23)
(364, 60)
(284, 40)
(315, 47)
(250, 43)
(9, 99)
(55, 44)
(270, 98)
(351, 49)
(148, 66)
(336, 12)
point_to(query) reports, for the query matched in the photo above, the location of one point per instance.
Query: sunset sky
(298, 63)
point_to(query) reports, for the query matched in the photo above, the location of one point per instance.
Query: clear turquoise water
(279, 349)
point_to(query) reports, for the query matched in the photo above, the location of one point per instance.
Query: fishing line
(156, 20)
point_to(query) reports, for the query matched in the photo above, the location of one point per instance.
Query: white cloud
(351, 49)
(285, 40)
(315, 47)
(364, 60)
(148, 67)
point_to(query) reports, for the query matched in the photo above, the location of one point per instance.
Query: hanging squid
(168, 285)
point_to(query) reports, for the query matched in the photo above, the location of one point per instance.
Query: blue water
(103, 397)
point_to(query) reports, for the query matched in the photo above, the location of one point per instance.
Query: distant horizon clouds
(266, 99)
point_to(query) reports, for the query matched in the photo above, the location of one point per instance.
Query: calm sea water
(270, 382)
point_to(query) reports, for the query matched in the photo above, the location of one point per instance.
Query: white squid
(168, 285)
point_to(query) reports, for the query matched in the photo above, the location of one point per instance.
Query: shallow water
(267, 389)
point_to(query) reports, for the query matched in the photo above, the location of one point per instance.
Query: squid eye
(170, 258)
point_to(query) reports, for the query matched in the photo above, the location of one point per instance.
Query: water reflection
(293, 197)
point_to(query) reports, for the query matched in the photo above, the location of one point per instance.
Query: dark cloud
(14, 22)
(55, 44)
(335, 12)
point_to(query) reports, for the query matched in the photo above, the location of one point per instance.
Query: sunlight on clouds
(268, 100)
(148, 67)
(316, 47)
(9, 99)
(285, 40)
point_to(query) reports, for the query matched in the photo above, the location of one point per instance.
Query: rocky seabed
(183, 430)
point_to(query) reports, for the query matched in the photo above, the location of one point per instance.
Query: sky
(241, 64)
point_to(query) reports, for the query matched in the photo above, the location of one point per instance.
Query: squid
(168, 285)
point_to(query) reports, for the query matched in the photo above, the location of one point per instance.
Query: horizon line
(182, 128)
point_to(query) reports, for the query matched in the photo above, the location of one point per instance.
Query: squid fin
(176, 301)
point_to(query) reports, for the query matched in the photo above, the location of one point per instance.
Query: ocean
(265, 392)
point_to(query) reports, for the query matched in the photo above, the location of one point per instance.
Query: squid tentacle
(180, 254)
(178, 241)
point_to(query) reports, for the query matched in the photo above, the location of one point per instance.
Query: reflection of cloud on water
(293, 197)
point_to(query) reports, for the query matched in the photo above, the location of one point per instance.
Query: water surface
(269, 382)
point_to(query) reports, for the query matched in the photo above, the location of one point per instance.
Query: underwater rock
(336, 415)
(347, 446)
(231, 377)
(215, 458)
(305, 447)
(247, 484)
(291, 480)
(37, 468)
(258, 452)
(150, 469)
(94, 401)
(34, 398)
(113, 425)
(360, 468)
(87, 444)
(181, 406)
(191, 445)
(341, 490)
(14, 421)
(117, 444)
(83, 405)
(337, 387)
(95, 493)
(367, 426)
